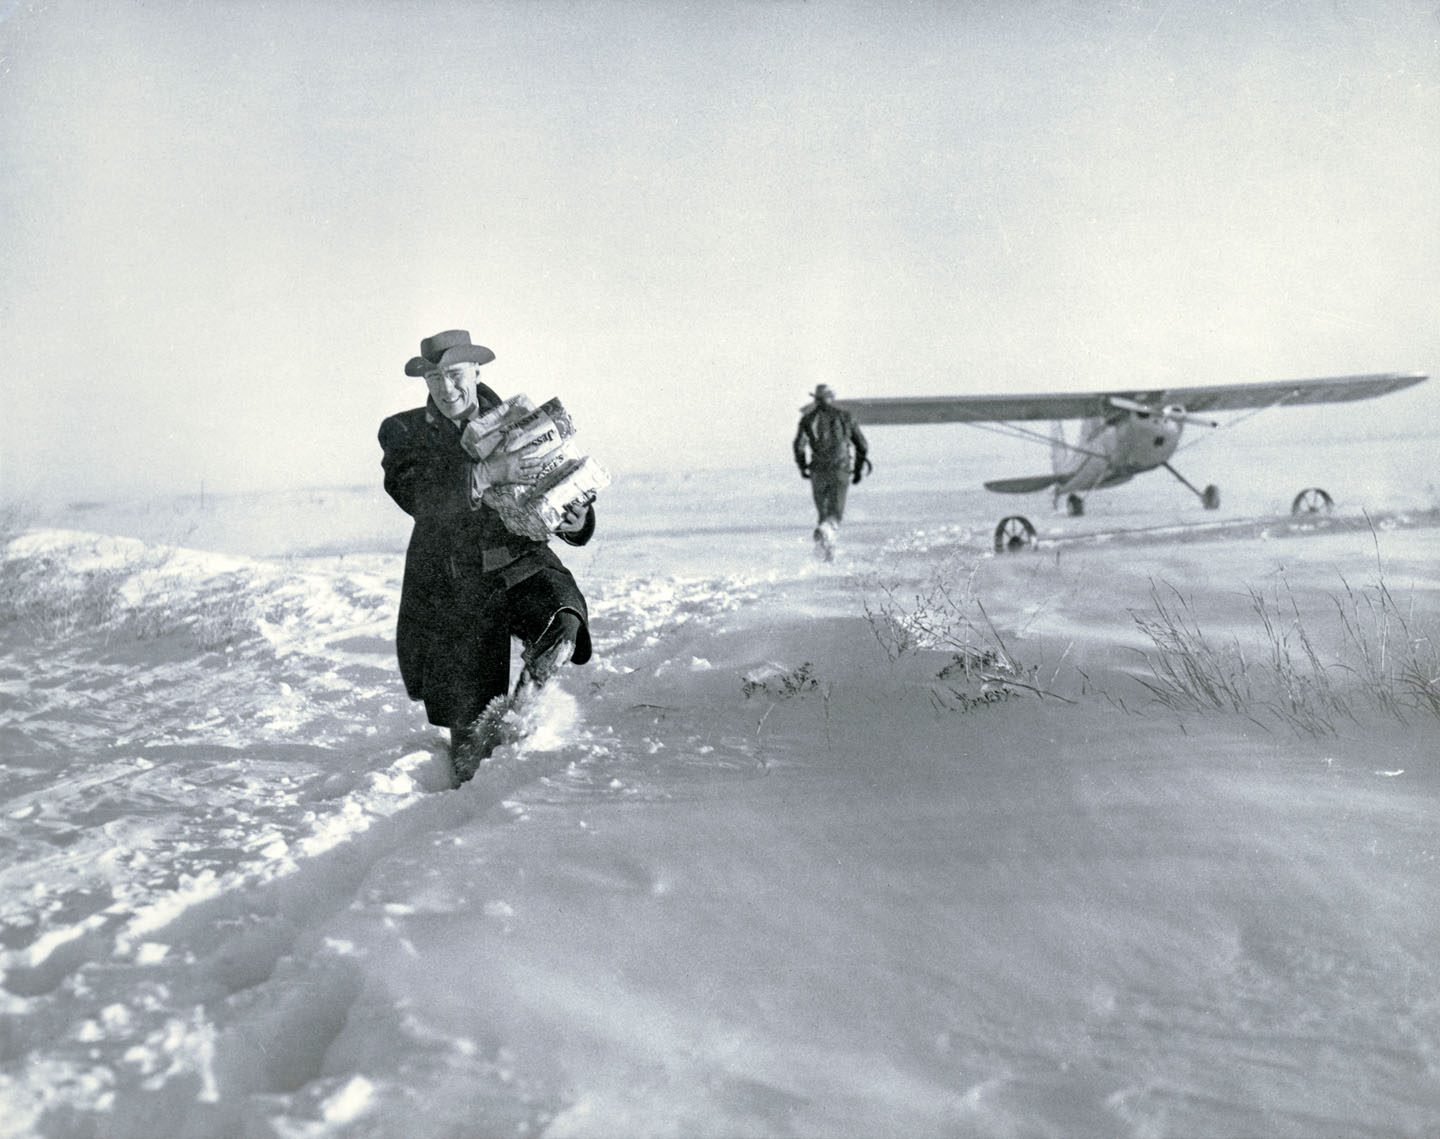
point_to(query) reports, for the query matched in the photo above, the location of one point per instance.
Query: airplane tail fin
(1023, 485)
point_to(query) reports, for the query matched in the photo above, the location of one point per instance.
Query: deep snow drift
(783, 860)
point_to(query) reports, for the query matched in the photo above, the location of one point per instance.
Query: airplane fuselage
(1116, 448)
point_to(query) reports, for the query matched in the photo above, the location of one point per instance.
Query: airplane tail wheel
(1074, 506)
(1312, 500)
(1210, 500)
(1014, 534)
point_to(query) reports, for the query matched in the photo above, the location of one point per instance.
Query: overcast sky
(227, 225)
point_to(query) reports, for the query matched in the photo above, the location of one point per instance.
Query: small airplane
(1121, 434)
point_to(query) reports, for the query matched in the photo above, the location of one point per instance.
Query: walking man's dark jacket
(830, 450)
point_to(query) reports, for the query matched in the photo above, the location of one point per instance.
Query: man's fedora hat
(447, 348)
(824, 391)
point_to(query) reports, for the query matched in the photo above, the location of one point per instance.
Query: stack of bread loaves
(566, 476)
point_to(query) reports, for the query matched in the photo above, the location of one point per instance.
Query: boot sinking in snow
(553, 648)
(825, 539)
(471, 746)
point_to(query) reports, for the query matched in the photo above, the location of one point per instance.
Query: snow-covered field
(782, 860)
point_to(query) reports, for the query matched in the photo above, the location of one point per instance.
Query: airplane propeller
(1174, 412)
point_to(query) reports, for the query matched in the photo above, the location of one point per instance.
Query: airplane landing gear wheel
(1014, 534)
(1074, 505)
(1210, 500)
(1312, 500)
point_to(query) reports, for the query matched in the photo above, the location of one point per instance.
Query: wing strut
(1012, 431)
(1294, 393)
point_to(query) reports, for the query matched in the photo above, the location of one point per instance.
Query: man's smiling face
(453, 389)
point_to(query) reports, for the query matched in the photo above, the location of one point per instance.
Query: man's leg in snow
(830, 486)
(819, 494)
(479, 672)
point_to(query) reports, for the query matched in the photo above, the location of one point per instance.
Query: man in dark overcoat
(470, 583)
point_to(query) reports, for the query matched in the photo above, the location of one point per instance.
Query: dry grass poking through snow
(133, 596)
(946, 615)
(1376, 657)
(1307, 664)
(123, 590)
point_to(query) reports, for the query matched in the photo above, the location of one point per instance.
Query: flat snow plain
(904, 844)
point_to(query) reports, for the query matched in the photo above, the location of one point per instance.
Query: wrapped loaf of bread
(567, 476)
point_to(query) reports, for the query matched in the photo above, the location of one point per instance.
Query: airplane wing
(1086, 405)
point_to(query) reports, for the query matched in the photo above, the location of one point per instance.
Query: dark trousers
(490, 614)
(829, 485)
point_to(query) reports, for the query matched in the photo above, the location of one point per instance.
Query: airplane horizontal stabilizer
(1024, 485)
